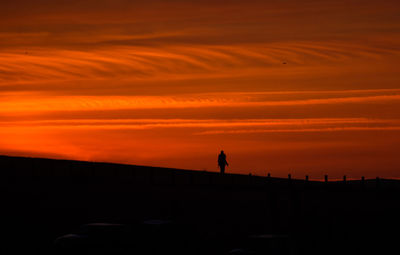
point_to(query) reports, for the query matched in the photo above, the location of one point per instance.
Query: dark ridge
(74, 207)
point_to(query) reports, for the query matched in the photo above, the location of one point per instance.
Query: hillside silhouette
(75, 207)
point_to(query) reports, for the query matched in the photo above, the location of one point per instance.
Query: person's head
(222, 152)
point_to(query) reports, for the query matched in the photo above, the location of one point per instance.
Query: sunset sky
(282, 86)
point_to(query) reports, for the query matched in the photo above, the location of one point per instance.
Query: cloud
(299, 130)
(121, 69)
(243, 100)
(234, 126)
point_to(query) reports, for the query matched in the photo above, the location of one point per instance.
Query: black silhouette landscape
(74, 207)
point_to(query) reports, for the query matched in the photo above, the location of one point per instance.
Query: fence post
(326, 178)
(268, 179)
(306, 184)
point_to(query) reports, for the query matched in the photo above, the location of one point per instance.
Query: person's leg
(222, 169)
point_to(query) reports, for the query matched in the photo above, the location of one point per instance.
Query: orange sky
(282, 86)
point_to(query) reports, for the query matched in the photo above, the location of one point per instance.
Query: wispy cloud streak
(298, 130)
(38, 65)
(76, 103)
(154, 123)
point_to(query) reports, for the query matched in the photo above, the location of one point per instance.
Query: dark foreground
(71, 207)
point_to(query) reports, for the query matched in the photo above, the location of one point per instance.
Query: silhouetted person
(222, 161)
